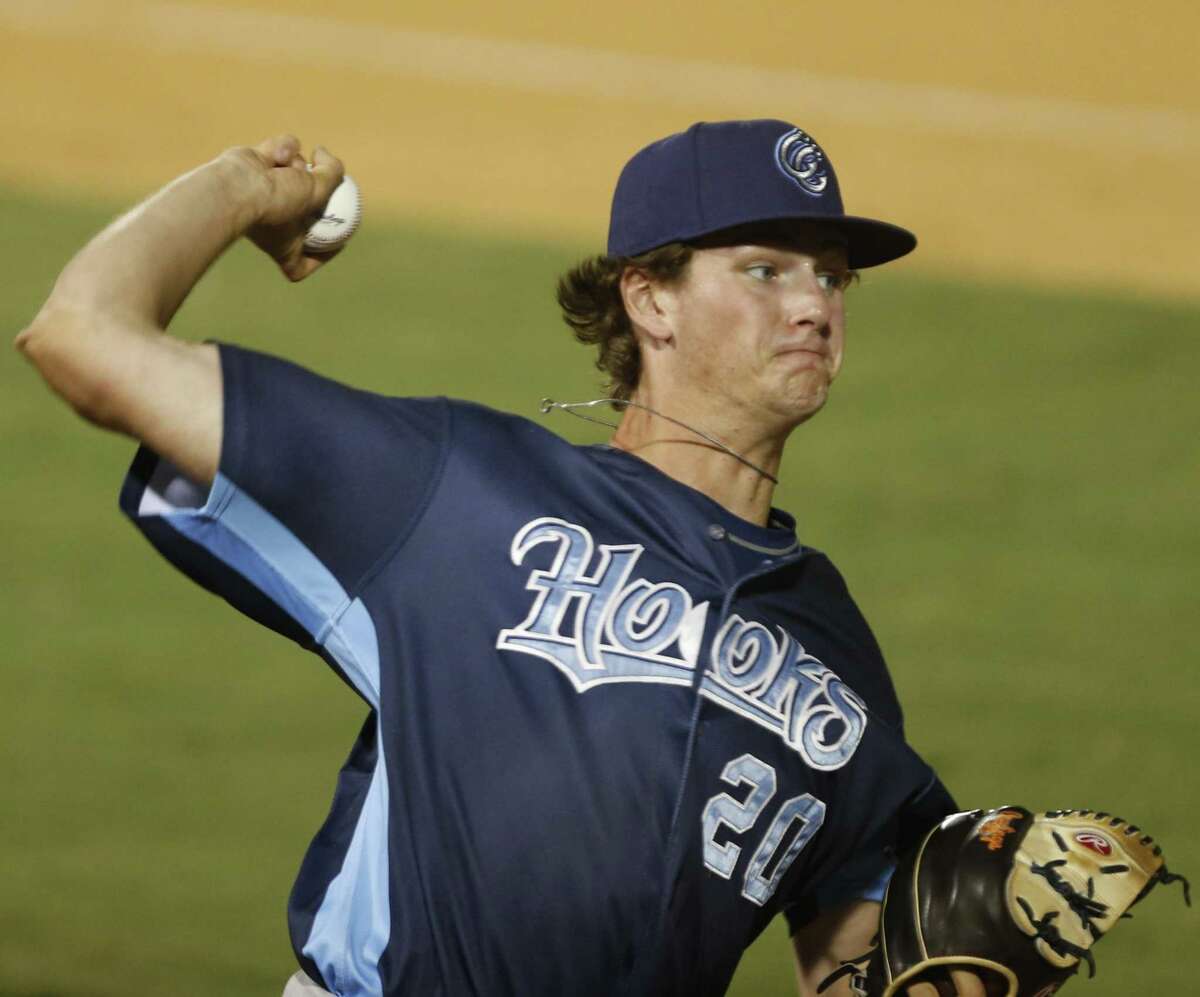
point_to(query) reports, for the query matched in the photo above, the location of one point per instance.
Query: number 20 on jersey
(770, 861)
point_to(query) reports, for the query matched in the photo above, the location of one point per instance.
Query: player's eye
(832, 281)
(762, 271)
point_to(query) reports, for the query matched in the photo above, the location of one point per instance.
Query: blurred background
(1006, 473)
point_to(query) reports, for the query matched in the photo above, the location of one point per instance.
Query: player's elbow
(68, 352)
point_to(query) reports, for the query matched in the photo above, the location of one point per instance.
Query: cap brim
(869, 242)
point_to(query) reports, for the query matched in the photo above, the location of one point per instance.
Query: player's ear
(648, 305)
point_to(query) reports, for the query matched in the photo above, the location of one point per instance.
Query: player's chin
(806, 396)
(789, 416)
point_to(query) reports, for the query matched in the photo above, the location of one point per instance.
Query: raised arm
(99, 339)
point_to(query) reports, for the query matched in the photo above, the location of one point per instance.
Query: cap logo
(803, 162)
(1096, 842)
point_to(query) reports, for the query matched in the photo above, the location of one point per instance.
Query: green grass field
(1008, 479)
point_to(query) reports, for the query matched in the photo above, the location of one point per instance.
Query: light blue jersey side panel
(240, 532)
(353, 924)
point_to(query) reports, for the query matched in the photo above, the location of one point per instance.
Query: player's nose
(809, 306)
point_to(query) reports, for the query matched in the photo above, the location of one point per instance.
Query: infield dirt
(1052, 143)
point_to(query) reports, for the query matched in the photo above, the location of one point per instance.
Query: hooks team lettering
(597, 622)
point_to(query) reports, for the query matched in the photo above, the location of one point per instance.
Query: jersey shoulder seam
(391, 550)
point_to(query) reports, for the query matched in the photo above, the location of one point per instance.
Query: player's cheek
(837, 342)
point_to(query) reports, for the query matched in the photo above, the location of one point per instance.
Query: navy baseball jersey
(613, 729)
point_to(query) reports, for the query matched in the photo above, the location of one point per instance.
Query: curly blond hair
(589, 295)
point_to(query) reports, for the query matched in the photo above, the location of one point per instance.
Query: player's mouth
(799, 352)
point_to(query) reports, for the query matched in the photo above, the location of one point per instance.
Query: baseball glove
(1017, 898)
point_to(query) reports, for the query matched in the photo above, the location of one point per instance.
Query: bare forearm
(835, 937)
(146, 262)
(122, 289)
(98, 340)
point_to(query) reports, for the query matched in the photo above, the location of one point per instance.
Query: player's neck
(746, 491)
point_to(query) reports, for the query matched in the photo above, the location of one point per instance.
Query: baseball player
(619, 715)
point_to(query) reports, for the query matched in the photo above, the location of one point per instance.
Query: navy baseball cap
(717, 175)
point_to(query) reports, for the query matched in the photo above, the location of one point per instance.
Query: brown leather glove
(1016, 897)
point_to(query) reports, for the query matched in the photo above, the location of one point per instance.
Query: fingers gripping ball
(1018, 897)
(339, 220)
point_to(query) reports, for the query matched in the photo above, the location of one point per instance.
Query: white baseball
(342, 214)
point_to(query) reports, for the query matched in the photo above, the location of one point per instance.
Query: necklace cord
(548, 404)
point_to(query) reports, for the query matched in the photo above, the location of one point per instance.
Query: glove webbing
(1048, 933)
(1162, 876)
(1084, 906)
